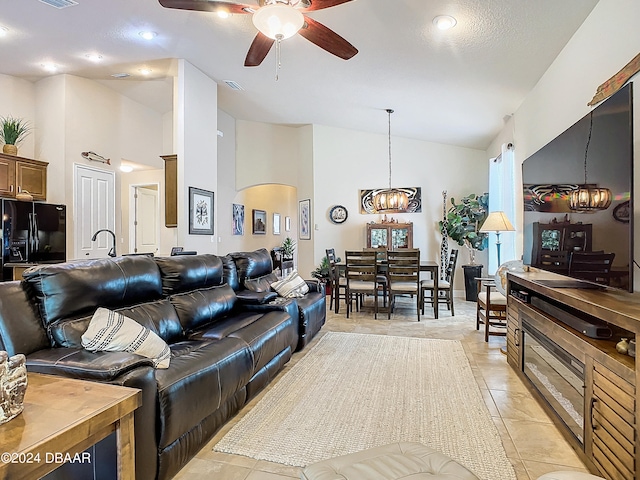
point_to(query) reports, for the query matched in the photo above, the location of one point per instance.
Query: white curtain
(502, 194)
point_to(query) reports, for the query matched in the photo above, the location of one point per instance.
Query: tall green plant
(288, 247)
(464, 220)
(13, 130)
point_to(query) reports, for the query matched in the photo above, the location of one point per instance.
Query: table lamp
(497, 222)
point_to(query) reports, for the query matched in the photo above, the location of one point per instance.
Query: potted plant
(462, 224)
(288, 248)
(12, 132)
(322, 273)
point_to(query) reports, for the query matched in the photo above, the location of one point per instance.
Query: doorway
(144, 221)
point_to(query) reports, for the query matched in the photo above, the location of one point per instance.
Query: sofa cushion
(260, 284)
(292, 286)
(202, 307)
(65, 290)
(113, 332)
(202, 376)
(21, 329)
(230, 272)
(252, 264)
(183, 273)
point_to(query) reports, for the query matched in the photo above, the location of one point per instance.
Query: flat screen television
(552, 230)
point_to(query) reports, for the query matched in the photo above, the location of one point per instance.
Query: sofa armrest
(316, 286)
(79, 363)
(289, 305)
(248, 297)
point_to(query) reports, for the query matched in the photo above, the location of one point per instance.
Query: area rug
(356, 391)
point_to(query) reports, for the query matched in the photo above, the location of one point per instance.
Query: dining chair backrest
(361, 266)
(333, 268)
(381, 253)
(592, 266)
(403, 265)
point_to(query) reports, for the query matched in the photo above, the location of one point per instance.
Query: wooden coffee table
(62, 417)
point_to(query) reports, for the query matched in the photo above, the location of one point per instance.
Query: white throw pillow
(113, 332)
(291, 286)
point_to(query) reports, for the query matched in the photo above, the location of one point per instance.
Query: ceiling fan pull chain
(278, 54)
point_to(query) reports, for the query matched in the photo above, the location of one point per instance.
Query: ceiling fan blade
(327, 39)
(320, 4)
(258, 50)
(207, 6)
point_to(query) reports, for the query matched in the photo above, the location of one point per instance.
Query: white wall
(195, 124)
(606, 42)
(17, 99)
(346, 161)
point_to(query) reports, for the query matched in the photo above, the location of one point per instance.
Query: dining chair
(381, 278)
(337, 280)
(361, 272)
(491, 309)
(403, 274)
(592, 266)
(445, 286)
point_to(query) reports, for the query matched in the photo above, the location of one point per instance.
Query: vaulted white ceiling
(453, 87)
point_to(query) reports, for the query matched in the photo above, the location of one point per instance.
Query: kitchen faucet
(112, 252)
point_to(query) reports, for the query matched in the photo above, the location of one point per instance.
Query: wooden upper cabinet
(170, 190)
(19, 174)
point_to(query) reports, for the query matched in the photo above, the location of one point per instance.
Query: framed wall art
(259, 222)
(287, 224)
(304, 216)
(276, 224)
(237, 227)
(200, 211)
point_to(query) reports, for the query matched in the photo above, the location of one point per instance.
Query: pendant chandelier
(589, 198)
(390, 200)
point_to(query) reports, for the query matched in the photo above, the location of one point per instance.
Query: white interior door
(145, 223)
(94, 208)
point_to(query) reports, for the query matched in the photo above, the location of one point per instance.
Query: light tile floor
(531, 440)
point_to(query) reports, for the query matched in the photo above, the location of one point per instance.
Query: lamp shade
(497, 222)
(278, 21)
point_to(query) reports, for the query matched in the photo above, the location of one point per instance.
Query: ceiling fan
(275, 21)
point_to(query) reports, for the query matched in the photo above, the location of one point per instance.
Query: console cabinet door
(513, 337)
(612, 414)
(7, 177)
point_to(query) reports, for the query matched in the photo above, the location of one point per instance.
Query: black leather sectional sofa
(227, 342)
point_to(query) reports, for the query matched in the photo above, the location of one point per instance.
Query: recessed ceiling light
(94, 57)
(444, 22)
(49, 67)
(223, 13)
(145, 71)
(148, 35)
(126, 168)
(3, 31)
(120, 75)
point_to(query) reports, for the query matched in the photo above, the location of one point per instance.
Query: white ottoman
(568, 476)
(389, 462)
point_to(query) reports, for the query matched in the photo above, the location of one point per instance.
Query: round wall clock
(338, 214)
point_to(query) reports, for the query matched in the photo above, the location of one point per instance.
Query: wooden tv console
(608, 443)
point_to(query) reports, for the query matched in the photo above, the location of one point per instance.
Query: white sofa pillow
(110, 331)
(291, 286)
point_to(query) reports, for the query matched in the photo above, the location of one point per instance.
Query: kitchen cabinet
(19, 174)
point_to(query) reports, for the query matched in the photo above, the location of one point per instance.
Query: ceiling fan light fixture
(278, 21)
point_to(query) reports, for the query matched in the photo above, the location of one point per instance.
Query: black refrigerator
(32, 232)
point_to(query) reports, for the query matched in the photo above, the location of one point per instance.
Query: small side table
(62, 417)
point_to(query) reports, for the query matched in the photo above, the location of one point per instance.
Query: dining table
(425, 266)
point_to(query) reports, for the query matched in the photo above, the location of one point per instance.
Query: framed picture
(304, 216)
(287, 224)
(237, 228)
(276, 224)
(200, 211)
(259, 222)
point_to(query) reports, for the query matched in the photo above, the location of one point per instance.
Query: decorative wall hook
(94, 157)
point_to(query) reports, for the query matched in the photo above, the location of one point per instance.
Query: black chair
(445, 286)
(591, 266)
(337, 280)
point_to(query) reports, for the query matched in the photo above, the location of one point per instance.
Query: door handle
(591, 405)
(11, 188)
(19, 189)
(516, 334)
